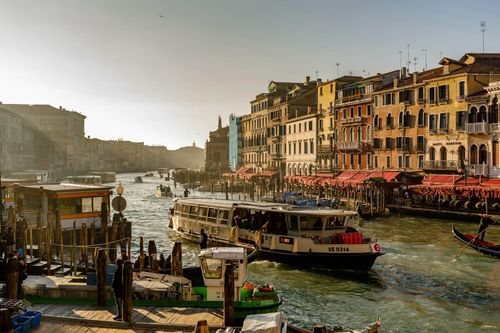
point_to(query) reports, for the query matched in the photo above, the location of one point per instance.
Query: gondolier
(483, 225)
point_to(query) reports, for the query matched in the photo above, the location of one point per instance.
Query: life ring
(248, 286)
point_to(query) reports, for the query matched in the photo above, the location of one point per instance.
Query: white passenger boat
(309, 237)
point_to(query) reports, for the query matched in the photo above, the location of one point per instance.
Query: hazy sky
(164, 81)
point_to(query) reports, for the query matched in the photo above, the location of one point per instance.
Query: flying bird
(162, 16)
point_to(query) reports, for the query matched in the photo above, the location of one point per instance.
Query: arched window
(461, 153)
(400, 120)
(472, 114)
(406, 120)
(421, 117)
(359, 134)
(368, 133)
(443, 154)
(483, 154)
(494, 111)
(481, 117)
(376, 122)
(473, 154)
(345, 135)
(351, 134)
(306, 171)
(432, 154)
(389, 121)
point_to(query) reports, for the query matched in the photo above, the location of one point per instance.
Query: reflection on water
(415, 286)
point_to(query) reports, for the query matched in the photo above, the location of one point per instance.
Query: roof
(34, 109)
(238, 253)
(67, 187)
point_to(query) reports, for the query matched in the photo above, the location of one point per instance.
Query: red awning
(325, 175)
(346, 175)
(441, 179)
(469, 181)
(390, 176)
(229, 174)
(243, 170)
(491, 183)
(268, 173)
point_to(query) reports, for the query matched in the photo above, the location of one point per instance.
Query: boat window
(86, 205)
(193, 212)
(334, 222)
(311, 223)
(178, 209)
(185, 210)
(96, 203)
(212, 215)
(202, 213)
(70, 206)
(293, 224)
(212, 268)
(223, 216)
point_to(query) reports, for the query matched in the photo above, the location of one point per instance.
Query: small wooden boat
(366, 212)
(149, 174)
(138, 179)
(163, 191)
(484, 247)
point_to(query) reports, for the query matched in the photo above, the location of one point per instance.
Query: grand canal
(418, 285)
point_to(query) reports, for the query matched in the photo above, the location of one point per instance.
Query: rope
(94, 245)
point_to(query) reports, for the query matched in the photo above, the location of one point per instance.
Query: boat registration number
(338, 249)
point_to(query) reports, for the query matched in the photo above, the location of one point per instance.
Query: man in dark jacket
(118, 288)
(203, 239)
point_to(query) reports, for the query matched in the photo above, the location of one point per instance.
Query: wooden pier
(90, 318)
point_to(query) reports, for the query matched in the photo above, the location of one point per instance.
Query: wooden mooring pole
(176, 264)
(229, 294)
(12, 278)
(127, 291)
(101, 271)
(141, 254)
(153, 260)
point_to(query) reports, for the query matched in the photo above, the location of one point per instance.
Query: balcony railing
(441, 165)
(354, 120)
(494, 128)
(349, 145)
(481, 127)
(494, 172)
(477, 170)
(347, 99)
(443, 100)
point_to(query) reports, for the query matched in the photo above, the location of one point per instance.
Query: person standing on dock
(118, 288)
(186, 193)
(203, 239)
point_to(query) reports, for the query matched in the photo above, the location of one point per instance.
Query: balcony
(352, 121)
(349, 146)
(441, 165)
(443, 130)
(443, 100)
(494, 128)
(477, 170)
(353, 98)
(494, 172)
(324, 149)
(481, 127)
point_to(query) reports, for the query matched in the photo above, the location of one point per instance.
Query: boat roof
(266, 206)
(224, 253)
(67, 187)
(9, 181)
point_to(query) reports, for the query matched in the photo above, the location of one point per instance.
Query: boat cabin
(85, 180)
(213, 267)
(73, 203)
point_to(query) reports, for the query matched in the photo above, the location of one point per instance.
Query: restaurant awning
(390, 176)
(441, 179)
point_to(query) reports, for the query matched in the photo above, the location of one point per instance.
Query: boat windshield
(212, 268)
(335, 222)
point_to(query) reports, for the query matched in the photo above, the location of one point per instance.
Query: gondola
(488, 248)
(366, 212)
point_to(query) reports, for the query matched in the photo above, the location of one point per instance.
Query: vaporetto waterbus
(308, 237)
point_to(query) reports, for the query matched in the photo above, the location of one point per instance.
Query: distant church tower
(220, 123)
(194, 143)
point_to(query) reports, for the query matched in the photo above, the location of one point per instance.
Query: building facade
(217, 150)
(235, 160)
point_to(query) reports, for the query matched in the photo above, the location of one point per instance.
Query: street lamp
(120, 189)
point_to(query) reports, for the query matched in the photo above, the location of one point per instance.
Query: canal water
(419, 285)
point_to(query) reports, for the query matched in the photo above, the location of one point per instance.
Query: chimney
(308, 79)
(403, 72)
(395, 83)
(318, 82)
(414, 78)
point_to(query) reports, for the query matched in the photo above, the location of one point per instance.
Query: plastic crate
(23, 322)
(35, 316)
(92, 279)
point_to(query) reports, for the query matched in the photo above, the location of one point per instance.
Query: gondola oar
(470, 242)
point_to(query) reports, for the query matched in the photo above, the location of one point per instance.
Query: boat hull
(493, 251)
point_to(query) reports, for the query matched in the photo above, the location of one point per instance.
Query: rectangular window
(420, 161)
(388, 98)
(407, 161)
(368, 110)
(336, 113)
(375, 101)
(300, 148)
(359, 111)
(432, 95)
(305, 147)
(359, 159)
(312, 147)
(375, 162)
(321, 124)
(432, 122)
(352, 112)
(421, 94)
(289, 148)
(294, 128)
(321, 91)
(443, 121)
(443, 93)
(387, 161)
(352, 160)
(388, 143)
(400, 162)
(300, 126)
(461, 120)
(377, 143)
(294, 148)
(289, 129)
(399, 142)
(461, 90)
(369, 160)
(311, 125)
(420, 143)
